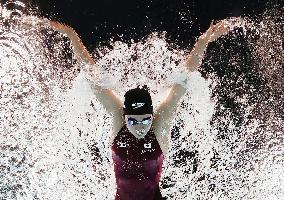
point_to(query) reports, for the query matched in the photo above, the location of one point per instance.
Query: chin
(140, 135)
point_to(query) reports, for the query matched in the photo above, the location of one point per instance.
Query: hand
(46, 23)
(60, 27)
(216, 31)
(195, 57)
(34, 21)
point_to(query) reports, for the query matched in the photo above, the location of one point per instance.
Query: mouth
(142, 132)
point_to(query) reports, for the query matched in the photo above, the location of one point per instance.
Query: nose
(139, 126)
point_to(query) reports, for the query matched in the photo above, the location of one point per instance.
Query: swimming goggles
(133, 121)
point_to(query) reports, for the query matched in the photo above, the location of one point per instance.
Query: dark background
(99, 21)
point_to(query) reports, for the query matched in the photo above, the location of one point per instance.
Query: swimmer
(141, 135)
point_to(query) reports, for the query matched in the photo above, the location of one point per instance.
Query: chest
(128, 147)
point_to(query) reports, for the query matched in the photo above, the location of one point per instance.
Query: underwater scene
(226, 135)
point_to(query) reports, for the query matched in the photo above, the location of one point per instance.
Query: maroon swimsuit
(137, 166)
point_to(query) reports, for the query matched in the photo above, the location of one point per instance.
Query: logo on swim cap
(137, 105)
(137, 101)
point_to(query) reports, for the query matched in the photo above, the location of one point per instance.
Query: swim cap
(138, 101)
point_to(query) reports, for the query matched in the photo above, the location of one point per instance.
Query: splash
(227, 136)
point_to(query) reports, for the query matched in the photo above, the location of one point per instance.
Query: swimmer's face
(139, 125)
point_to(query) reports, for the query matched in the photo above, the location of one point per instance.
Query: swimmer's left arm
(167, 109)
(79, 49)
(165, 113)
(194, 59)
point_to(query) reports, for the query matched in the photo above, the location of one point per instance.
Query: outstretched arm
(194, 59)
(80, 50)
(107, 98)
(168, 107)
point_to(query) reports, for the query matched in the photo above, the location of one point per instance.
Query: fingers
(56, 24)
(217, 30)
(224, 25)
(221, 27)
(209, 30)
(59, 26)
(218, 26)
(212, 24)
(39, 22)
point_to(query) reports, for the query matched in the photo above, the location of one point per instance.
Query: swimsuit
(137, 165)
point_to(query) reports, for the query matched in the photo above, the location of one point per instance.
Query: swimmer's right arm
(112, 104)
(106, 97)
(79, 49)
